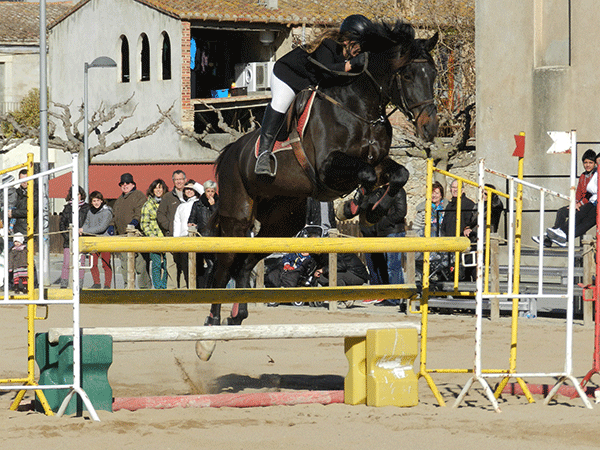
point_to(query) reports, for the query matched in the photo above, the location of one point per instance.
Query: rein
(385, 98)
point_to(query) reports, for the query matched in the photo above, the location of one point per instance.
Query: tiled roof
(325, 12)
(309, 12)
(19, 21)
(287, 12)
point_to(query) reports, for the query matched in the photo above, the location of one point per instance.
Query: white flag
(562, 142)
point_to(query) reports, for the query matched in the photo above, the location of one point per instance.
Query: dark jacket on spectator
(65, 221)
(201, 213)
(20, 210)
(166, 212)
(393, 221)
(468, 216)
(346, 262)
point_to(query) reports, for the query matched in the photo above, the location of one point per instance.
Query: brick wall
(185, 68)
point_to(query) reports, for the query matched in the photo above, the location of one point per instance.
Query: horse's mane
(381, 36)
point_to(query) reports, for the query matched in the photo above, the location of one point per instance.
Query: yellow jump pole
(516, 281)
(31, 309)
(270, 245)
(424, 308)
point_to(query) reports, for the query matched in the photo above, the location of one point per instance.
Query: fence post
(192, 260)
(76, 268)
(259, 270)
(589, 270)
(333, 306)
(494, 269)
(130, 260)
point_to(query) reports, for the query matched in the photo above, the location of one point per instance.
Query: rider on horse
(334, 51)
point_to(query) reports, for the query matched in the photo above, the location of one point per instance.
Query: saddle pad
(302, 122)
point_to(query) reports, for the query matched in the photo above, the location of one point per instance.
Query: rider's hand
(358, 63)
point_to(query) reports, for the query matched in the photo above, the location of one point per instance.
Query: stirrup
(263, 164)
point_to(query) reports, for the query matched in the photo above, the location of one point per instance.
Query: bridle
(384, 97)
(404, 106)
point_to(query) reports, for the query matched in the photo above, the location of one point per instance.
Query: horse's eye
(407, 76)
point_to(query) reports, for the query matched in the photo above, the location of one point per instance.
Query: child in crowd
(17, 263)
(97, 222)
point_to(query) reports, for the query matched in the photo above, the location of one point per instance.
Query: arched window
(124, 60)
(166, 57)
(145, 58)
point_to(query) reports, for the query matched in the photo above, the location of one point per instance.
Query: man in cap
(128, 211)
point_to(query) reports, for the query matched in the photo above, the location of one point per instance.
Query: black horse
(343, 144)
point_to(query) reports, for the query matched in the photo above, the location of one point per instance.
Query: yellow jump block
(390, 356)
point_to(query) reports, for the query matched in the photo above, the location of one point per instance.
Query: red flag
(520, 149)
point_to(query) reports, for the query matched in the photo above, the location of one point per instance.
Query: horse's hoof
(205, 349)
(237, 320)
(210, 321)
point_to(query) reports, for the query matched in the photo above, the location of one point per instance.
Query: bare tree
(236, 131)
(110, 116)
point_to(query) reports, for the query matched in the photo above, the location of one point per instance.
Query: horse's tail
(222, 158)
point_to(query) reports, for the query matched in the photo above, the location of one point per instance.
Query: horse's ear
(431, 42)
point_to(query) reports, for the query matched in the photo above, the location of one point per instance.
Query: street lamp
(102, 61)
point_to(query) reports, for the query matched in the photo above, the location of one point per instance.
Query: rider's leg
(282, 97)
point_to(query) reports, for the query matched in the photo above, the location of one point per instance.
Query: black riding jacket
(298, 72)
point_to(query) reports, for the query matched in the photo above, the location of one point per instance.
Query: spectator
(12, 199)
(192, 192)
(467, 214)
(392, 225)
(200, 215)
(582, 196)
(438, 202)
(585, 216)
(203, 209)
(293, 268)
(497, 208)
(97, 223)
(350, 271)
(155, 193)
(165, 216)
(66, 217)
(17, 263)
(19, 212)
(372, 208)
(320, 213)
(128, 211)
(376, 263)
(468, 219)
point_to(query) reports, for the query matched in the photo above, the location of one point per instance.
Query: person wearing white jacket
(192, 192)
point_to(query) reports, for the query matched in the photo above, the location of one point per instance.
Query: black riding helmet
(354, 26)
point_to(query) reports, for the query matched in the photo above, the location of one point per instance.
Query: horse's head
(405, 71)
(412, 89)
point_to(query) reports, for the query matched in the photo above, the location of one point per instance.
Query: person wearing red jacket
(582, 196)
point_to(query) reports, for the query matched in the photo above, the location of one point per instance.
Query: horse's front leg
(341, 171)
(221, 278)
(390, 171)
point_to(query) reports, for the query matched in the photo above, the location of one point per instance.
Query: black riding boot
(271, 124)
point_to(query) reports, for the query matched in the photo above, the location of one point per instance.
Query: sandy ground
(172, 368)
